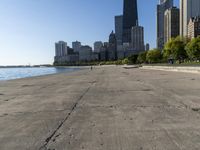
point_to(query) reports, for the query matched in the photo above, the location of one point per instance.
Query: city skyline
(28, 31)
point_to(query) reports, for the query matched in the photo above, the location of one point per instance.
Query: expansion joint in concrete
(48, 139)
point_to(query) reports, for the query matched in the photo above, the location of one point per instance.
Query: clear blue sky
(29, 28)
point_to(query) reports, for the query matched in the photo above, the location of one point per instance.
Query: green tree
(132, 59)
(142, 57)
(175, 48)
(154, 56)
(125, 61)
(193, 49)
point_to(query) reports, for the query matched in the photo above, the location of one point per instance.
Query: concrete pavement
(108, 108)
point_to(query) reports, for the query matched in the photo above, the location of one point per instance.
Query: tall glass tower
(130, 19)
(161, 8)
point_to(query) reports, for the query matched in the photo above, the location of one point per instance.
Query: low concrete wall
(174, 68)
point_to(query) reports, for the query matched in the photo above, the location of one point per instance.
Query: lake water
(17, 73)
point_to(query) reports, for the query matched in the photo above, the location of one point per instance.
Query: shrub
(142, 57)
(193, 49)
(175, 49)
(154, 56)
(132, 59)
(125, 61)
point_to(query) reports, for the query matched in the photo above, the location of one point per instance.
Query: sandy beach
(108, 108)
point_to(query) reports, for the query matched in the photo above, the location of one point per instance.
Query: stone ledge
(174, 68)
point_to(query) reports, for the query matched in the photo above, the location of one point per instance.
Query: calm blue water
(17, 73)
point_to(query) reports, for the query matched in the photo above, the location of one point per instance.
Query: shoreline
(184, 69)
(50, 73)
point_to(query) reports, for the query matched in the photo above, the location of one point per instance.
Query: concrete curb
(174, 69)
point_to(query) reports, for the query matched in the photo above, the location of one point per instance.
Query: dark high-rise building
(137, 37)
(112, 47)
(119, 28)
(171, 23)
(130, 19)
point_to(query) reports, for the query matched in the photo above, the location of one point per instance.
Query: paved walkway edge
(174, 68)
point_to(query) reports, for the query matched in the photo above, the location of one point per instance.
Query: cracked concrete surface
(108, 108)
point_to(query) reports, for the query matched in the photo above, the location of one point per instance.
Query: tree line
(177, 49)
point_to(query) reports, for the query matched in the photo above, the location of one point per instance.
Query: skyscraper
(112, 48)
(76, 46)
(194, 27)
(161, 8)
(147, 47)
(97, 46)
(61, 48)
(130, 19)
(119, 28)
(137, 37)
(85, 53)
(61, 52)
(188, 9)
(171, 23)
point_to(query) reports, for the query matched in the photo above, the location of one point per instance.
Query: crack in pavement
(9, 99)
(48, 139)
